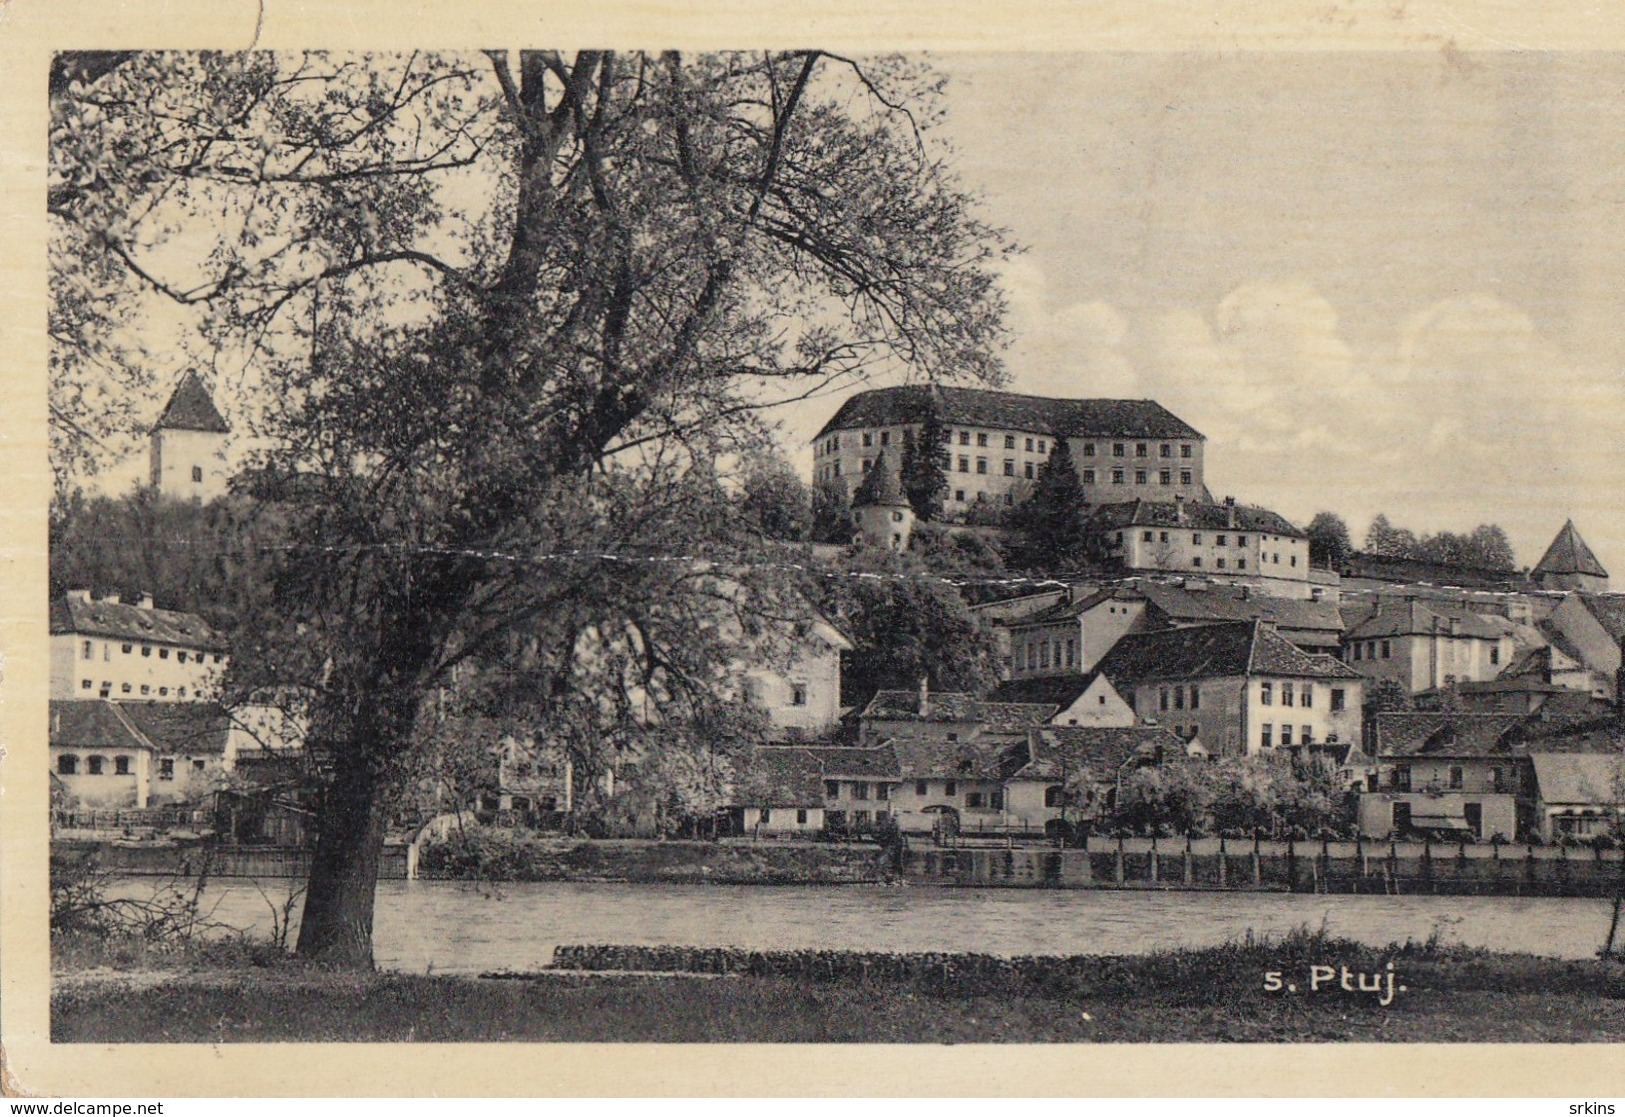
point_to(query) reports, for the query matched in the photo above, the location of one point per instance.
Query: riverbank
(127, 993)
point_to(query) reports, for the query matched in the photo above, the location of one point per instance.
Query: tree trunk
(337, 924)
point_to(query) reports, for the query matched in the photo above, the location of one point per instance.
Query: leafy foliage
(924, 467)
(1051, 527)
(1234, 795)
(1486, 546)
(1329, 543)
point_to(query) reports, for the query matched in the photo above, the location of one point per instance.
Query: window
(1140, 450)
(1455, 779)
(868, 440)
(1498, 780)
(1041, 446)
(1162, 698)
(959, 496)
(1009, 467)
(860, 790)
(1145, 537)
(1357, 649)
(973, 799)
(1071, 651)
(1337, 699)
(87, 649)
(1028, 471)
(883, 791)
(1163, 537)
(1220, 564)
(163, 653)
(163, 692)
(801, 816)
(1495, 654)
(948, 436)
(1219, 540)
(1054, 796)
(67, 765)
(1402, 777)
(766, 814)
(180, 657)
(885, 438)
(1117, 476)
(981, 465)
(1385, 649)
(1308, 734)
(866, 464)
(145, 689)
(832, 789)
(860, 818)
(1241, 540)
(1286, 694)
(1139, 476)
(125, 688)
(1196, 697)
(995, 799)
(125, 649)
(86, 685)
(1308, 696)
(1118, 450)
(1241, 563)
(1179, 698)
(964, 438)
(1196, 562)
(1009, 442)
(1292, 560)
(1166, 477)
(981, 440)
(166, 768)
(1286, 735)
(1265, 734)
(94, 765)
(1088, 476)
(1029, 446)
(950, 789)
(1266, 693)
(121, 765)
(1184, 449)
(1088, 449)
(1165, 451)
(798, 694)
(1184, 477)
(919, 787)
(964, 464)
(197, 475)
(837, 468)
(218, 657)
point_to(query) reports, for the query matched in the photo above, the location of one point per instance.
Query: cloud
(1072, 350)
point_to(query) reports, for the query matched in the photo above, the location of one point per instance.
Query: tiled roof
(185, 727)
(191, 408)
(980, 407)
(986, 759)
(1060, 750)
(781, 777)
(1218, 602)
(1228, 649)
(1403, 733)
(878, 762)
(1585, 778)
(1059, 691)
(92, 725)
(1201, 515)
(1609, 609)
(1414, 618)
(1601, 733)
(1064, 609)
(904, 705)
(1569, 554)
(131, 622)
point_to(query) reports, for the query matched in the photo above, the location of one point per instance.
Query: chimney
(145, 602)
(1179, 508)
(111, 599)
(925, 695)
(1229, 511)
(81, 596)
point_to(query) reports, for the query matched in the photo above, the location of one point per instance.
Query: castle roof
(1569, 554)
(1195, 514)
(75, 613)
(191, 408)
(981, 407)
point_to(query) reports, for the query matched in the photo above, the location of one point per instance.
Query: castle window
(1088, 475)
(981, 440)
(868, 440)
(1009, 442)
(1118, 449)
(1196, 538)
(1241, 564)
(964, 464)
(1184, 477)
(163, 653)
(197, 475)
(1140, 450)
(1029, 446)
(1146, 536)
(948, 436)
(1286, 694)
(1009, 467)
(1166, 477)
(1139, 476)
(124, 688)
(1029, 471)
(1088, 449)
(885, 438)
(832, 789)
(1495, 654)
(1219, 541)
(959, 496)
(920, 787)
(1165, 451)
(837, 468)
(1041, 446)
(1184, 449)
(1265, 733)
(85, 685)
(981, 465)
(67, 765)
(1220, 564)
(125, 649)
(1196, 561)
(1308, 701)
(87, 650)
(964, 438)
(1117, 476)
(1241, 540)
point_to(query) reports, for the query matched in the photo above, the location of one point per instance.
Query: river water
(451, 927)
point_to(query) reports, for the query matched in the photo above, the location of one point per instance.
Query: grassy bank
(243, 994)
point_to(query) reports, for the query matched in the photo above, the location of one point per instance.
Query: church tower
(885, 517)
(1568, 564)
(189, 444)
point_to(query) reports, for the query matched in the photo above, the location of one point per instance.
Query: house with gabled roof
(140, 754)
(107, 649)
(1226, 541)
(1074, 773)
(997, 441)
(1423, 645)
(1086, 699)
(1577, 795)
(188, 444)
(1238, 686)
(1590, 627)
(1445, 774)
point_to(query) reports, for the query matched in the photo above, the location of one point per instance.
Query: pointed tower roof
(191, 408)
(880, 488)
(1569, 554)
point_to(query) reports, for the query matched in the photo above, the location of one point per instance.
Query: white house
(106, 649)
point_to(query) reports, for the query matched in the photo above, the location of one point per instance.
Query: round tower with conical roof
(189, 444)
(883, 514)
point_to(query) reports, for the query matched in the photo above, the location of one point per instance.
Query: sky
(1386, 282)
(1376, 282)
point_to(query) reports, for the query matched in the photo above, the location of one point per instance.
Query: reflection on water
(457, 928)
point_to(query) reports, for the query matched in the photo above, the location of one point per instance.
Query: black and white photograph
(824, 546)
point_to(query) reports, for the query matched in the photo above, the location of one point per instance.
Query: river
(448, 927)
